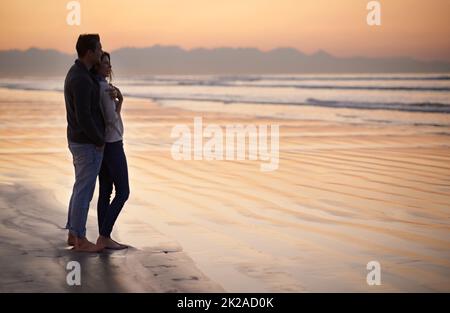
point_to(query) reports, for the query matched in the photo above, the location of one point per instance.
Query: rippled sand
(352, 186)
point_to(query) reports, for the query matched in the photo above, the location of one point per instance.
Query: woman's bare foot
(70, 239)
(84, 245)
(108, 243)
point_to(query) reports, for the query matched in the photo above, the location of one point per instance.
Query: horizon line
(318, 51)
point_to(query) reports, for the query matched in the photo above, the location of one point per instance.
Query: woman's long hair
(94, 69)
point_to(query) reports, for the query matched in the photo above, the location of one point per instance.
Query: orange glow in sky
(415, 28)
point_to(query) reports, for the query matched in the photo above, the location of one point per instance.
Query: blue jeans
(87, 160)
(114, 172)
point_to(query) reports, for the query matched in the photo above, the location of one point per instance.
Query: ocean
(400, 92)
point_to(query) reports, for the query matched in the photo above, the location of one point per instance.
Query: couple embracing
(95, 139)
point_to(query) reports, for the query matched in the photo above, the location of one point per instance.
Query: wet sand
(349, 189)
(34, 256)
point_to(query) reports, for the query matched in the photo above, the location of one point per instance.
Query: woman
(114, 170)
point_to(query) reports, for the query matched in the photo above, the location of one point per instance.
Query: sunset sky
(416, 28)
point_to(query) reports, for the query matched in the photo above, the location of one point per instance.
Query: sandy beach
(352, 186)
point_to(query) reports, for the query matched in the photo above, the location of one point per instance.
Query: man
(85, 135)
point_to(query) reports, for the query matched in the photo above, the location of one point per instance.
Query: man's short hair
(87, 42)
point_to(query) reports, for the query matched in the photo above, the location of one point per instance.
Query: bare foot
(84, 245)
(70, 239)
(108, 243)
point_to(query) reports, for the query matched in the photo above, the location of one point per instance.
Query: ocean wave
(331, 87)
(407, 107)
(305, 77)
(337, 78)
(219, 84)
(320, 100)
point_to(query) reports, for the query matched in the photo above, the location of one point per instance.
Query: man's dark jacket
(85, 123)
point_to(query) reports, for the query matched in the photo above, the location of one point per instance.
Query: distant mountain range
(158, 60)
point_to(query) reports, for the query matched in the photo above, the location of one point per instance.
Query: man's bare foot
(84, 245)
(70, 239)
(108, 243)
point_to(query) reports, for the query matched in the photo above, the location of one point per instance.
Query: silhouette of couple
(95, 140)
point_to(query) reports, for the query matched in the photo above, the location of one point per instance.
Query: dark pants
(114, 172)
